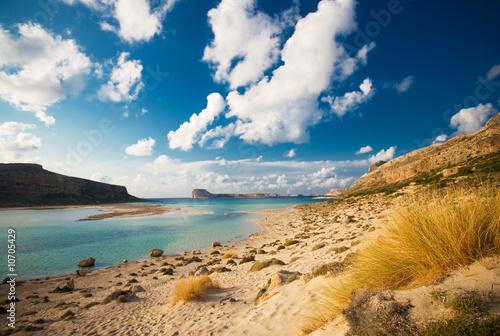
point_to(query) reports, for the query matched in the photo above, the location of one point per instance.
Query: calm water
(52, 242)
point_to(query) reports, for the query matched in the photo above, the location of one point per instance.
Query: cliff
(453, 153)
(31, 185)
(203, 193)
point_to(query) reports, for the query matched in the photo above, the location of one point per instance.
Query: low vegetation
(191, 288)
(427, 236)
(230, 255)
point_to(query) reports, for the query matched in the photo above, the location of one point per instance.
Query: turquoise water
(52, 242)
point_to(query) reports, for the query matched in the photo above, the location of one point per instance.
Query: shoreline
(149, 312)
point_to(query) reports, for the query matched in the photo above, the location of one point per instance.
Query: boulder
(87, 262)
(81, 272)
(215, 244)
(156, 252)
(347, 219)
(201, 271)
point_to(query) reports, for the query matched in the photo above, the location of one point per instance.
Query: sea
(51, 242)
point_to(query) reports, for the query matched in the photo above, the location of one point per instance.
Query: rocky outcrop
(203, 193)
(31, 185)
(336, 192)
(377, 164)
(451, 153)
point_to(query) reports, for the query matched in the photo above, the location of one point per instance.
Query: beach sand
(228, 310)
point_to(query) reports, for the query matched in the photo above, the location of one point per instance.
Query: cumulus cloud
(364, 150)
(246, 42)
(39, 69)
(190, 131)
(15, 145)
(493, 72)
(143, 147)
(469, 120)
(125, 81)
(384, 155)
(138, 20)
(291, 153)
(350, 100)
(281, 108)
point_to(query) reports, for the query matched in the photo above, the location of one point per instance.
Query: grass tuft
(230, 255)
(191, 288)
(429, 235)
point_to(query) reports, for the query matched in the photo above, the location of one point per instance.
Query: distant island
(203, 193)
(26, 185)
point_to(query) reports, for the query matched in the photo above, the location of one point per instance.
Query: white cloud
(190, 131)
(281, 108)
(245, 44)
(125, 81)
(350, 100)
(291, 153)
(144, 111)
(469, 120)
(169, 176)
(384, 155)
(440, 139)
(405, 84)
(15, 145)
(493, 72)
(364, 150)
(143, 147)
(137, 20)
(39, 69)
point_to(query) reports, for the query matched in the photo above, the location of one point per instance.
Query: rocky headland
(28, 185)
(203, 193)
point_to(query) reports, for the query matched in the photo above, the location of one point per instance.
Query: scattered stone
(156, 252)
(125, 261)
(136, 289)
(81, 272)
(347, 219)
(201, 271)
(216, 244)
(197, 252)
(222, 269)
(87, 262)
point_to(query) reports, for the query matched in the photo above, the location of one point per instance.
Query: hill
(464, 155)
(31, 185)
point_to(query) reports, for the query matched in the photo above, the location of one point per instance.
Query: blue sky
(285, 96)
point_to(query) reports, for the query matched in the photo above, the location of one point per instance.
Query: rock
(276, 281)
(197, 252)
(347, 219)
(81, 272)
(305, 278)
(215, 244)
(222, 269)
(156, 252)
(125, 261)
(377, 164)
(87, 262)
(136, 289)
(201, 271)
(70, 284)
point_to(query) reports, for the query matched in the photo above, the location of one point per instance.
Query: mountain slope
(445, 159)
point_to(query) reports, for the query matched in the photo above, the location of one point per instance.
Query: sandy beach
(321, 233)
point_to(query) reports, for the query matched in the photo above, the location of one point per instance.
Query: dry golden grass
(230, 255)
(428, 235)
(191, 288)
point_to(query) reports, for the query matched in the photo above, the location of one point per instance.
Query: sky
(282, 96)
